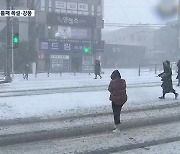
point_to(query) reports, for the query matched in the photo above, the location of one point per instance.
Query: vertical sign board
(59, 62)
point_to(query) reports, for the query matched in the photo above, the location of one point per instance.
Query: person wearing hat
(118, 97)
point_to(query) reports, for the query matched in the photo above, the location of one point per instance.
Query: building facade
(67, 34)
(133, 36)
(166, 43)
(123, 56)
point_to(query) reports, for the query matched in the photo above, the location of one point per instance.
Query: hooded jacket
(117, 89)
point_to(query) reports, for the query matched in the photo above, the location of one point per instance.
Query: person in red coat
(118, 96)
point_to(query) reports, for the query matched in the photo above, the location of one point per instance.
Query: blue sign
(68, 46)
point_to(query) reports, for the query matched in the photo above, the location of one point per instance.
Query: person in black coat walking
(167, 80)
(97, 69)
(178, 75)
(26, 72)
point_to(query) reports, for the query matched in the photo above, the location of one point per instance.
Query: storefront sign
(70, 20)
(60, 56)
(59, 62)
(69, 46)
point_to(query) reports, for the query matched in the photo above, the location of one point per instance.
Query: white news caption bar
(17, 13)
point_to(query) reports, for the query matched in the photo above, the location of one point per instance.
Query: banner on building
(70, 20)
(69, 46)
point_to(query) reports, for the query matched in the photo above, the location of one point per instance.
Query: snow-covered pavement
(80, 121)
(76, 102)
(80, 80)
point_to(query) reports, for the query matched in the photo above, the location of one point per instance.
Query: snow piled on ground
(77, 102)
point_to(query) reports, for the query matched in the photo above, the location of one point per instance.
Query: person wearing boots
(166, 78)
(118, 96)
(178, 75)
(97, 69)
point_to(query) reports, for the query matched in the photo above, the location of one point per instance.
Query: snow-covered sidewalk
(80, 80)
(76, 102)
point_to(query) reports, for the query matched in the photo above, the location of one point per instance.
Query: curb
(82, 116)
(81, 131)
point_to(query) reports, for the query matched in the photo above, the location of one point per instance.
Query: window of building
(63, 10)
(66, 32)
(50, 6)
(42, 5)
(92, 13)
(85, 13)
(74, 12)
(58, 10)
(92, 8)
(99, 10)
(69, 11)
(80, 12)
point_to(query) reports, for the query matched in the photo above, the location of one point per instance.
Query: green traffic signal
(16, 39)
(86, 50)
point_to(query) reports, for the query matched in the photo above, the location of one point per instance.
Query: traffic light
(87, 50)
(15, 32)
(16, 40)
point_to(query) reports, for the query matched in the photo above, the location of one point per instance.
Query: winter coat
(97, 68)
(167, 80)
(178, 75)
(117, 88)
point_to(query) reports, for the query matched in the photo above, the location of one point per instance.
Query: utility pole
(8, 44)
(178, 50)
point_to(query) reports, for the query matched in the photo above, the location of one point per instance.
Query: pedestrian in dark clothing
(97, 69)
(26, 72)
(118, 96)
(167, 80)
(178, 75)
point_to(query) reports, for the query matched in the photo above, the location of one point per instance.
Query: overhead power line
(133, 25)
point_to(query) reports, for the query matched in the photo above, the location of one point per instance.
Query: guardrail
(156, 68)
(2, 75)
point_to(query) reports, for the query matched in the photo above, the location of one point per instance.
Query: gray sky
(131, 12)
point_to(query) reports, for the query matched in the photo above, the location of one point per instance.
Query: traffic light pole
(8, 42)
(178, 31)
(12, 56)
